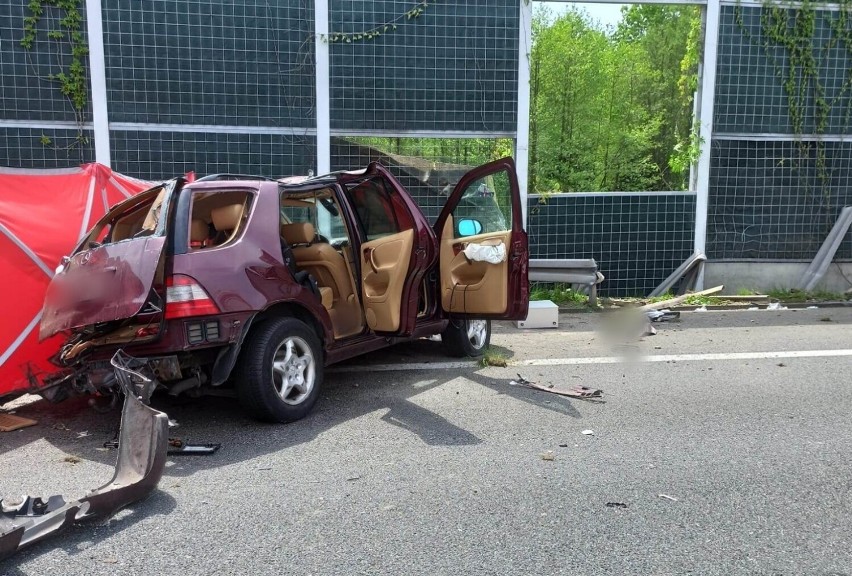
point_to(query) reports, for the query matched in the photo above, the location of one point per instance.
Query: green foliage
(558, 293)
(605, 111)
(686, 151)
(685, 154)
(71, 77)
(793, 295)
(792, 29)
(462, 151)
(415, 11)
(492, 357)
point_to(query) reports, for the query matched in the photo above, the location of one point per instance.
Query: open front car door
(484, 253)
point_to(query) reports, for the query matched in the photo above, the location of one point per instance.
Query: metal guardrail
(579, 272)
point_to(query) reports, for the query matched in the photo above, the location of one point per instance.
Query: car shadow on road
(77, 430)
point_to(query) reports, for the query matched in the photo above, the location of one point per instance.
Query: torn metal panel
(143, 441)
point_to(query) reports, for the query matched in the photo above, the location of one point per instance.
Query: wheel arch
(227, 358)
(297, 311)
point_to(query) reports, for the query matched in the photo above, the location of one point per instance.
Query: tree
(606, 111)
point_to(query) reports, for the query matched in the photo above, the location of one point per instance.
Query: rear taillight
(185, 297)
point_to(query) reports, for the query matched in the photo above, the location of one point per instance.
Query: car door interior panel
(384, 266)
(468, 286)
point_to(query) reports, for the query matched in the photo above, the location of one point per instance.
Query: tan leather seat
(329, 269)
(199, 232)
(227, 219)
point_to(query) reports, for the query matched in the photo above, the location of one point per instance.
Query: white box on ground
(542, 314)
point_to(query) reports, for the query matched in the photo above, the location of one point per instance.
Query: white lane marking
(601, 360)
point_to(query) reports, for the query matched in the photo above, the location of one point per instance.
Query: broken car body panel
(103, 284)
(110, 274)
(142, 447)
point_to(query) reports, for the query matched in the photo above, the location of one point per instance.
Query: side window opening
(318, 208)
(121, 224)
(380, 212)
(485, 206)
(218, 218)
(316, 247)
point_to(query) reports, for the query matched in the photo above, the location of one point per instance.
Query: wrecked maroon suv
(257, 284)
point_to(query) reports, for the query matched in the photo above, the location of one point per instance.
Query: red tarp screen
(43, 213)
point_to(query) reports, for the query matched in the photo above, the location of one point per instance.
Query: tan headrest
(299, 233)
(198, 231)
(227, 217)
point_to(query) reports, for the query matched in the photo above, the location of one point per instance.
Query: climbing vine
(686, 152)
(793, 30)
(68, 37)
(415, 11)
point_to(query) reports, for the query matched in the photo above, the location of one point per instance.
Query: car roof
(263, 184)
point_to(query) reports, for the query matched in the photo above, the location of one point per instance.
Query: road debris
(178, 447)
(664, 315)
(667, 497)
(677, 300)
(10, 422)
(588, 432)
(547, 456)
(72, 459)
(701, 309)
(139, 467)
(776, 306)
(620, 505)
(581, 392)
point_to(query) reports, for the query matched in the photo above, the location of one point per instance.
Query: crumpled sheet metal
(143, 442)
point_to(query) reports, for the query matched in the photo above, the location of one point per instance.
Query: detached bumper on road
(143, 442)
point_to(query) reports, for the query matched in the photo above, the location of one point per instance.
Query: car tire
(280, 371)
(466, 337)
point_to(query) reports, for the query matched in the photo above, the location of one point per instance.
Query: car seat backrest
(227, 219)
(199, 232)
(298, 233)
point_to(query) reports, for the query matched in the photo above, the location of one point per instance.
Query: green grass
(655, 299)
(747, 292)
(492, 357)
(690, 301)
(793, 295)
(700, 300)
(561, 294)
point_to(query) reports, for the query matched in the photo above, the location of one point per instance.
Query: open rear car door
(396, 250)
(109, 275)
(484, 253)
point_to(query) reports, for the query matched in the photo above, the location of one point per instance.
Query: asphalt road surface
(723, 447)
